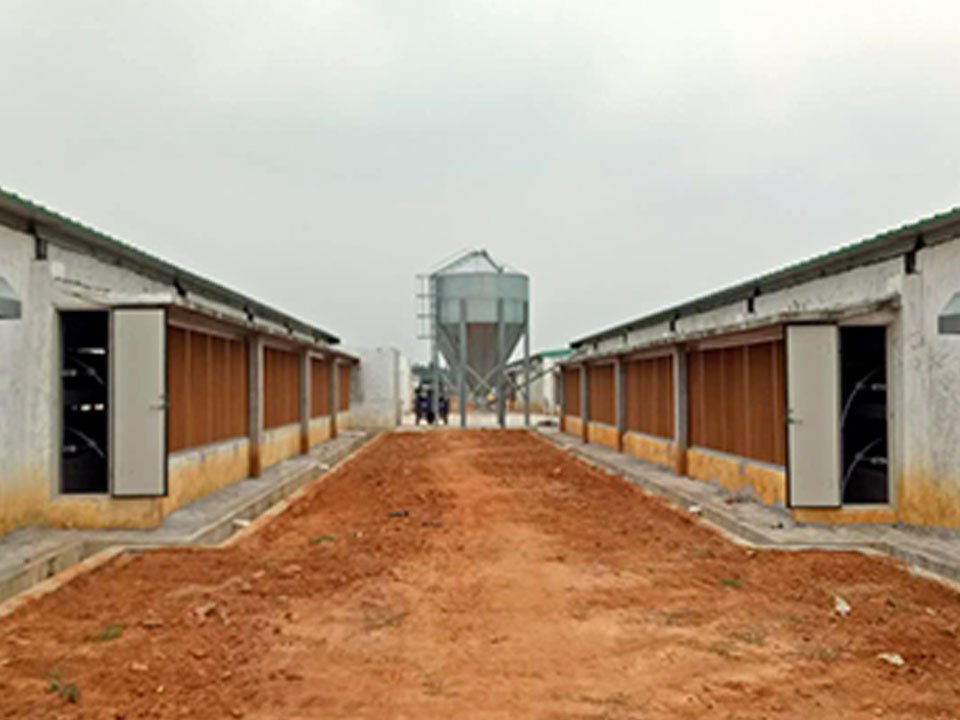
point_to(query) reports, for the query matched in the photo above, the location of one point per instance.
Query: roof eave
(61, 230)
(885, 246)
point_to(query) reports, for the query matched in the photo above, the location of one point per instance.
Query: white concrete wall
(381, 388)
(548, 385)
(28, 368)
(923, 366)
(929, 424)
(30, 382)
(543, 391)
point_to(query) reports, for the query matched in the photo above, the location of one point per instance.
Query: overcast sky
(627, 155)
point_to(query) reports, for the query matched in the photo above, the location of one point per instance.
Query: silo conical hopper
(473, 295)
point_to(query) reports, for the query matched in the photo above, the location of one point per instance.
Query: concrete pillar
(255, 402)
(397, 389)
(526, 364)
(462, 379)
(501, 366)
(304, 401)
(334, 365)
(620, 399)
(681, 409)
(562, 400)
(909, 392)
(584, 402)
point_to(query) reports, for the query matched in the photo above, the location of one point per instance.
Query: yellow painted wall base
(103, 511)
(191, 475)
(24, 495)
(194, 473)
(768, 484)
(343, 420)
(925, 500)
(650, 448)
(602, 435)
(279, 444)
(573, 425)
(319, 429)
(844, 515)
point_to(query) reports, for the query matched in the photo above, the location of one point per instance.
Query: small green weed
(110, 632)
(732, 582)
(68, 691)
(328, 537)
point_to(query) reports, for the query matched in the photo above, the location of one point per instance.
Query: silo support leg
(501, 366)
(462, 389)
(526, 364)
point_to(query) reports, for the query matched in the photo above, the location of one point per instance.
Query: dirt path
(483, 575)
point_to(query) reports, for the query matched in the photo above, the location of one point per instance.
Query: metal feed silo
(478, 311)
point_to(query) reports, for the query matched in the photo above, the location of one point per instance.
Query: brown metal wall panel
(206, 388)
(281, 387)
(220, 384)
(239, 384)
(736, 402)
(571, 391)
(602, 403)
(649, 395)
(344, 388)
(176, 388)
(319, 387)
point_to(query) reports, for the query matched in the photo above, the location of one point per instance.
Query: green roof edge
(81, 233)
(858, 253)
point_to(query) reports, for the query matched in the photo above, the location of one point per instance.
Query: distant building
(545, 379)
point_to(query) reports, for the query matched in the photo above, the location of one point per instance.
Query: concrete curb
(54, 570)
(917, 563)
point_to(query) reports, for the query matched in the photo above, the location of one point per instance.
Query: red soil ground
(511, 581)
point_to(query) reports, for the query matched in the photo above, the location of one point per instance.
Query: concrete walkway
(934, 550)
(31, 555)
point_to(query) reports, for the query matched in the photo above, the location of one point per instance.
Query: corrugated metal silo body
(473, 298)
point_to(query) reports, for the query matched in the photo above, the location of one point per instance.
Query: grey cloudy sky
(627, 155)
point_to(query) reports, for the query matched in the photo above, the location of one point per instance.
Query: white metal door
(138, 402)
(813, 415)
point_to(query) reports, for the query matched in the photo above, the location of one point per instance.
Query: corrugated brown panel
(281, 387)
(767, 412)
(177, 391)
(346, 371)
(206, 388)
(736, 401)
(571, 391)
(201, 398)
(602, 404)
(219, 384)
(319, 387)
(649, 395)
(239, 397)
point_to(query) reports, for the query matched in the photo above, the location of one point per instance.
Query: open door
(139, 408)
(813, 414)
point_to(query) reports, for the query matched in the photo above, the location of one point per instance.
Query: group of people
(423, 405)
